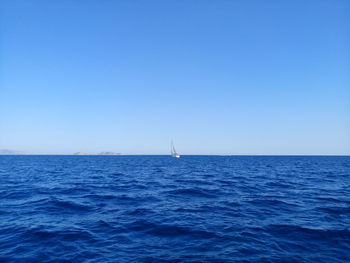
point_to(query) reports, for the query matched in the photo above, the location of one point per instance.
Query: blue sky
(217, 77)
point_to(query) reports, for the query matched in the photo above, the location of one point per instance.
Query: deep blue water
(162, 209)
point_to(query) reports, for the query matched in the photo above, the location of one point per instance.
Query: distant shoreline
(218, 155)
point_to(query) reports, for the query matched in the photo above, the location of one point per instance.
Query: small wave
(177, 231)
(117, 174)
(191, 192)
(100, 197)
(75, 190)
(278, 184)
(332, 199)
(167, 230)
(310, 233)
(188, 210)
(21, 194)
(335, 210)
(140, 212)
(140, 225)
(267, 203)
(44, 234)
(55, 204)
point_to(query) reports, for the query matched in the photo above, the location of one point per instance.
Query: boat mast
(173, 151)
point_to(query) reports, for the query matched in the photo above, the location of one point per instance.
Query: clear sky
(216, 76)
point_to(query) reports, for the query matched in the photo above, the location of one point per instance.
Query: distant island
(101, 153)
(15, 152)
(11, 152)
(109, 153)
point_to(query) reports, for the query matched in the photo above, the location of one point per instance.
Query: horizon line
(54, 154)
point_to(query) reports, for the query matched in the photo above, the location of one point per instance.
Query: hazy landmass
(15, 152)
(108, 153)
(81, 153)
(11, 152)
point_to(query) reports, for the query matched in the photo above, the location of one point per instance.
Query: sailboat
(173, 151)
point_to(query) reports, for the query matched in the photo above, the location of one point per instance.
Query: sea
(161, 209)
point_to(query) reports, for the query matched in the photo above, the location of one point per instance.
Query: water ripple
(158, 209)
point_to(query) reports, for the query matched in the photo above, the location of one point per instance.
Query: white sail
(173, 151)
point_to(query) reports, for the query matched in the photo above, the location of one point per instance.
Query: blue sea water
(162, 209)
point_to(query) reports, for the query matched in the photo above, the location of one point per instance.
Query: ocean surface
(162, 209)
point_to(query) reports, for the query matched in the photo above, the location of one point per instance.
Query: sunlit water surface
(163, 209)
